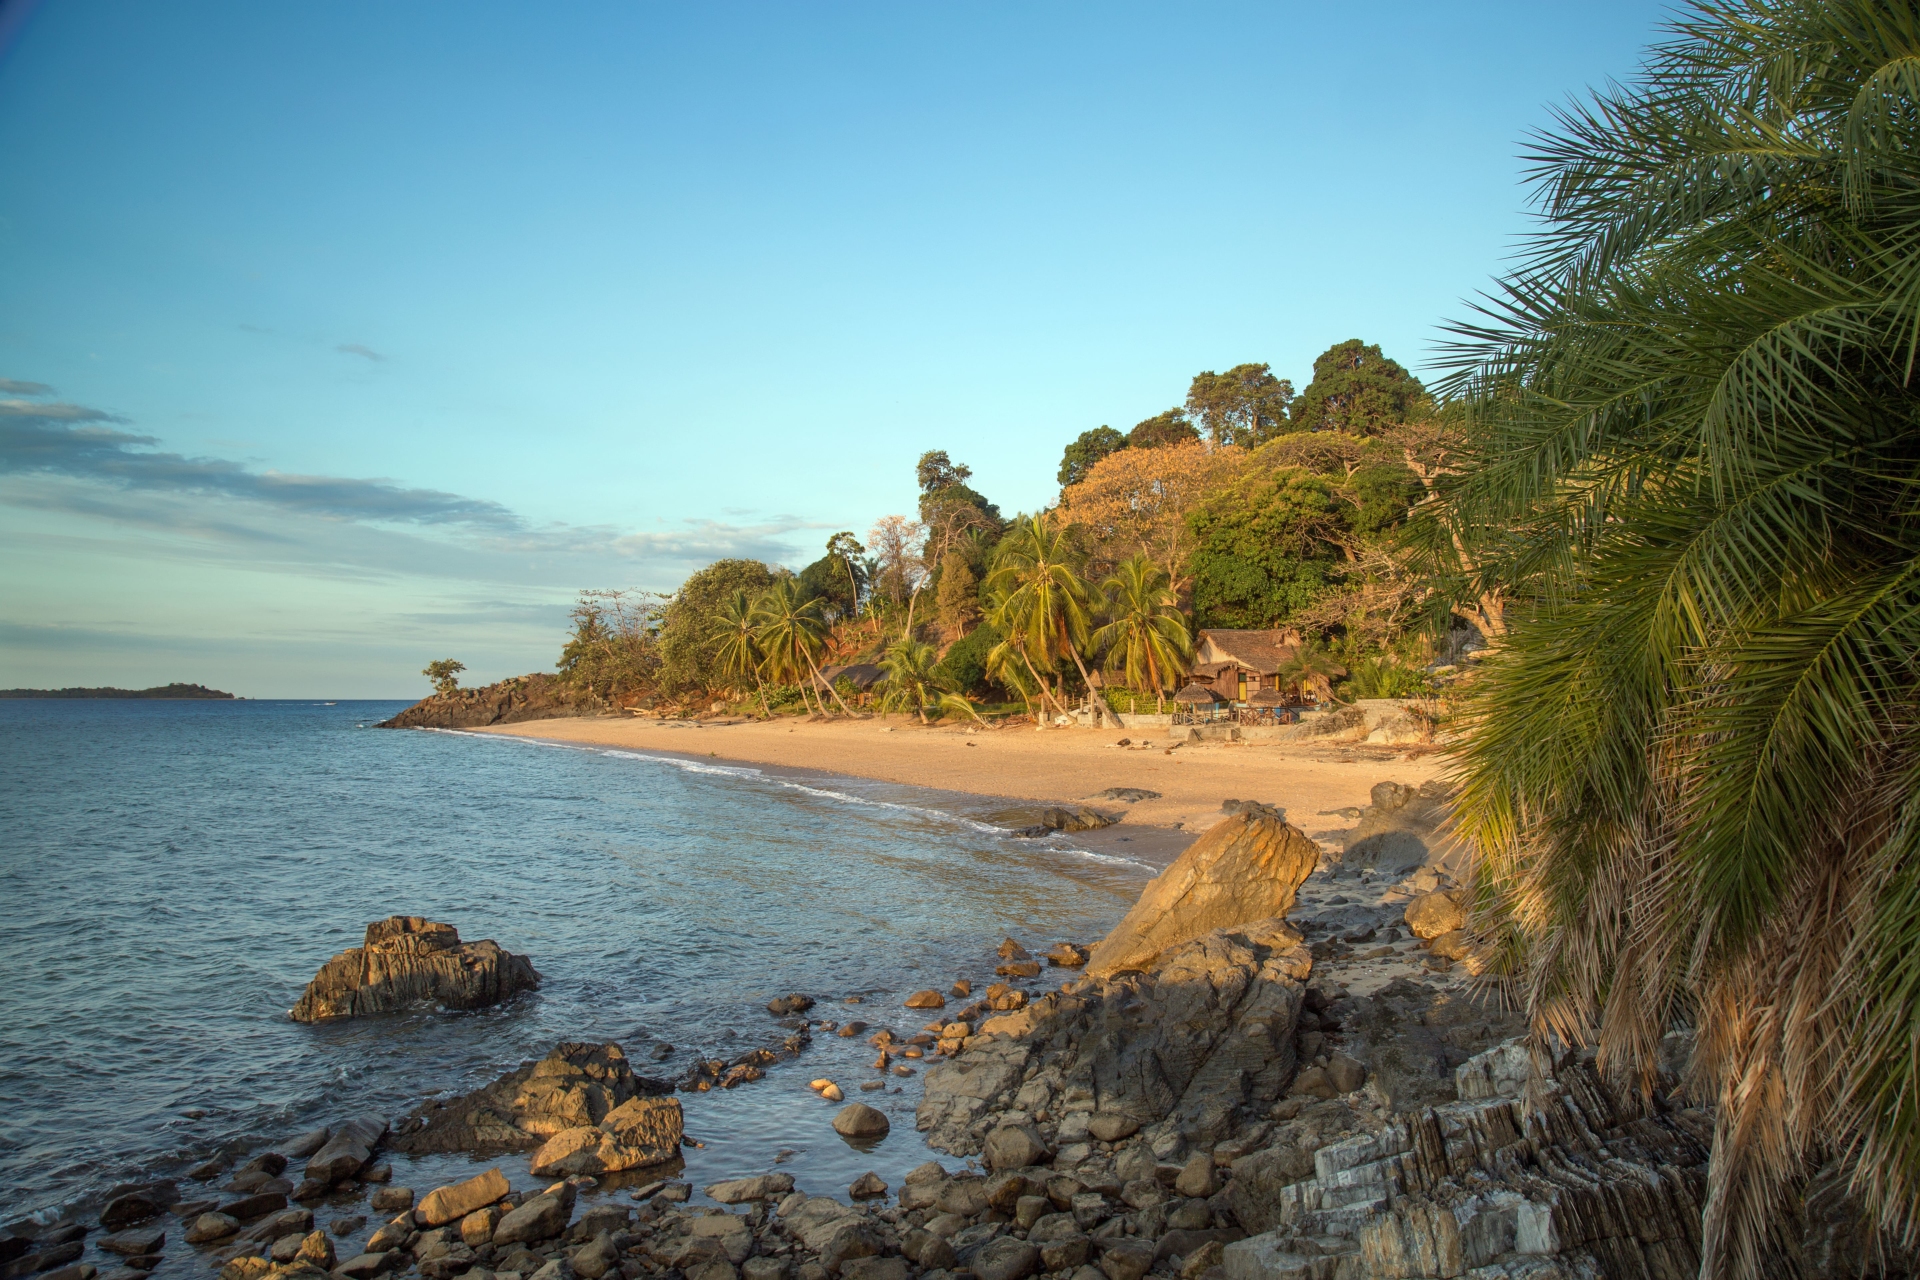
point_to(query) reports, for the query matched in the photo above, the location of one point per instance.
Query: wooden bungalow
(1239, 664)
(861, 675)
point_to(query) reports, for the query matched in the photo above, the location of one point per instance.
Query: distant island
(160, 691)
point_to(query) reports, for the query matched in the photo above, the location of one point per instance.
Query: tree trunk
(1098, 700)
(830, 689)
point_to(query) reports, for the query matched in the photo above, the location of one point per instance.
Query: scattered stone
(1245, 868)
(1432, 914)
(1067, 955)
(1127, 795)
(1011, 950)
(1005, 1258)
(392, 1199)
(928, 999)
(135, 1242)
(858, 1120)
(1018, 969)
(316, 1250)
(304, 1145)
(209, 1227)
(781, 1006)
(831, 1092)
(363, 1266)
(346, 1226)
(405, 960)
(381, 1172)
(867, 1186)
(1126, 1260)
(391, 1236)
(962, 987)
(445, 1204)
(765, 1187)
(1015, 1146)
(849, 1030)
(541, 1218)
(133, 1207)
(1110, 1127)
(1345, 1074)
(348, 1150)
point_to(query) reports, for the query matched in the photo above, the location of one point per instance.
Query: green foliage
(1088, 448)
(1146, 637)
(1694, 445)
(1382, 677)
(964, 668)
(1264, 548)
(1166, 428)
(612, 650)
(957, 595)
(686, 633)
(445, 674)
(1357, 390)
(826, 580)
(915, 682)
(1381, 496)
(1244, 405)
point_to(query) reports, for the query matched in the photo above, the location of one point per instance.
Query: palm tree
(914, 681)
(736, 647)
(1310, 667)
(1695, 432)
(1041, 600)
(1146, 637)
(791, 633)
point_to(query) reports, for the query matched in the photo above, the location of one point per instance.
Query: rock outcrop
(1246, 867)
(1203, 1042)
(1405, 828)
(533, 697)
(638, 1133)
(577, 1086)
(407, 960)
(1045, 820)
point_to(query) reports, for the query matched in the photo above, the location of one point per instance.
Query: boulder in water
(1247, 867)
(407, 959)
(578, 1085)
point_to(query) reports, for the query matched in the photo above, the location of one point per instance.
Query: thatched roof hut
(1267, 697)
(1197, 695)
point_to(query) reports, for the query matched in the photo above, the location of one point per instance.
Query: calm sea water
(173, 873)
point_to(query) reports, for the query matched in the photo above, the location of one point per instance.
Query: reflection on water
(175, 872)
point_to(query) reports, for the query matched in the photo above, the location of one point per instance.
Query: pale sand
(1025, 764)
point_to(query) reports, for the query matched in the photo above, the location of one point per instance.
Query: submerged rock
(1247, 867)
(406, 959)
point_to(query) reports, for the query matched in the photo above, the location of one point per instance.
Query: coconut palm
(791, 634)
(1310, 667)
(914, 682)
(1040, 599)
(736, 648)
(1146, 638)
(1691, 769)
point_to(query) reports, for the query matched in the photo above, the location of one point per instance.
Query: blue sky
(340, 337)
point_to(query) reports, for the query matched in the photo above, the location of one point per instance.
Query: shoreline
(1314, 785)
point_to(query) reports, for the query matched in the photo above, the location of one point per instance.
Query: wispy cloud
(72, 440)
(355, 349)
(15, 387)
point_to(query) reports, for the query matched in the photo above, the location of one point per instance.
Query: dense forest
(1246, 506)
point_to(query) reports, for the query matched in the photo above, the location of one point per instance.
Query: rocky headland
(532, 697)
(1275, 1068)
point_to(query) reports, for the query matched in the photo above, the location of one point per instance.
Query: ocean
(174, 872)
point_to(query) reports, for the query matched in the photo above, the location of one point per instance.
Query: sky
(338, 338)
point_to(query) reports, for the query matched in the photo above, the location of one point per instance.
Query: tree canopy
(1161, 430)
(1243, 406)
(687, 643)
(1088, 448)
(1357, 390)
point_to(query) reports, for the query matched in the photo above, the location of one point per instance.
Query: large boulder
(637, 1133)
(542, 1217)
(576, 1086)
(539, 696)
(406, 959)
(1247, 867)
(1404, 829)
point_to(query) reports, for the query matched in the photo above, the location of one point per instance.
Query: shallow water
(174, 872)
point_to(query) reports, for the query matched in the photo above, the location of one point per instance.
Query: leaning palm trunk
(1691, 767)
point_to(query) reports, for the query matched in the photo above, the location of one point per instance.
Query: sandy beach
(1310, 783)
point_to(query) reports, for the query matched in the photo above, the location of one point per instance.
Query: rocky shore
(533, 697)
(1310, 1091)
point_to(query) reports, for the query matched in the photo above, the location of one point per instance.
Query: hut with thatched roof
(1196, 704)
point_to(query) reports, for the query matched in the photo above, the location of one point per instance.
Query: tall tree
(1357, 390)
(791, 634)
(1137, 500)
(1162, 429)
(1088, 448)
(1693, 450)
(847, 549)
(1265, 546)
(1044, 599)
(686, 633)
(1146, 637)
(1243, 406)
(734, 630)
(957, 597)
